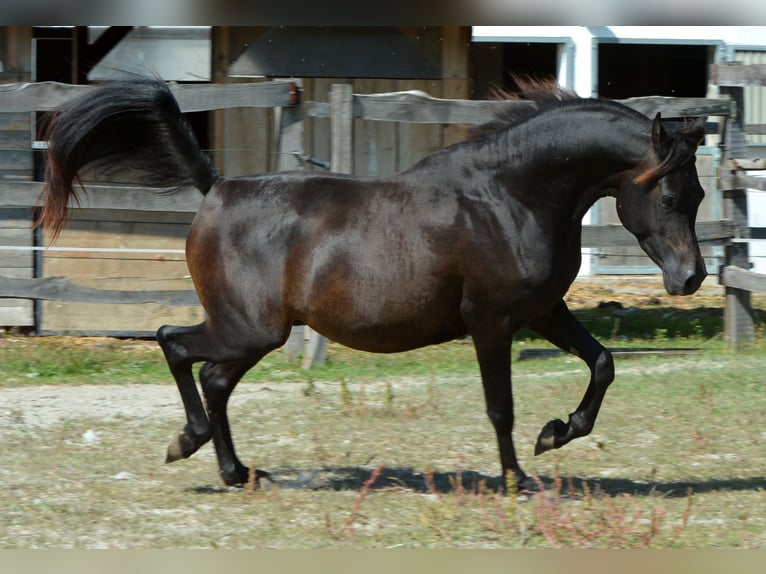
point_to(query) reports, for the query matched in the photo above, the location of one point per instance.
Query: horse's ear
(694, 134)
(660, 138)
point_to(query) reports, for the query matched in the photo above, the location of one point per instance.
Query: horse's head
(659, 206)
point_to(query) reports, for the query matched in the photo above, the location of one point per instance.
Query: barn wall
(244, 141)
(15, 164)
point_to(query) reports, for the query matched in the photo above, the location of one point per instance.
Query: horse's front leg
(493, 350)
(562, 329)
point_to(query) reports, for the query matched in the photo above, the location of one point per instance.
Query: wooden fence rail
(343, 108)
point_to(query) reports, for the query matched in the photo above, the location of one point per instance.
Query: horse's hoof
(180, 447)
(242, 476)
(551, 436)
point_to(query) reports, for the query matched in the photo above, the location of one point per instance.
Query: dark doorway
(495, 63)
(633, 70)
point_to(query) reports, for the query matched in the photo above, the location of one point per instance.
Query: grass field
(390, 451)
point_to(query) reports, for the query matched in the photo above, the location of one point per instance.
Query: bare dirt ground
(641, 291)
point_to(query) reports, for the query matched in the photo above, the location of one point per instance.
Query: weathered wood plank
(418, 107)
(15, 141)
(274, 94)
(128, 320)
(46, 96)
(17, 314)
(413, 107)
(744, 181)
(61, 289)
(122, 274)
(756, 163)
(16, 160)
(25, 194)
(738, 74)
(18, 121)
(739, 278)
(615, 235)
(671, 107)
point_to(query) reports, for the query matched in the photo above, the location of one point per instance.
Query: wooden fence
(737, 159)
(343, 108)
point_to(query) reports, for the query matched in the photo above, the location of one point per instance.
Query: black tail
(133, 125)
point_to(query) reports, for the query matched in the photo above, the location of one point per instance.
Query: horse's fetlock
(604, 368)
(580, 424)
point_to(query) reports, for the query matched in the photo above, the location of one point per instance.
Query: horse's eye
(667, 201)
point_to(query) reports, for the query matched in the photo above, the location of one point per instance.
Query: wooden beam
(754, 182)
(419, 107)
(738, 74)
(47, 96)
(99, 196)
(60, 289)
(739, 278)
(615, 235)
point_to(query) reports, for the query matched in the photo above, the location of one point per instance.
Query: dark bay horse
(479, 239)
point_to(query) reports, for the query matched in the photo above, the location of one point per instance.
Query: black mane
(533, 97)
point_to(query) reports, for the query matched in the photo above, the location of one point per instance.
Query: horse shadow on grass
(357, 478)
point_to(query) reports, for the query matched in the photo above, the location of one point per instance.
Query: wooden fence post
(341, 128)
(289, 140)
(738, 313)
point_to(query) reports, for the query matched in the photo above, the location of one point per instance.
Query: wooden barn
(117, 243)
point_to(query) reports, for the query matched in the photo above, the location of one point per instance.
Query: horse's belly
(388, 338)
(386, 322)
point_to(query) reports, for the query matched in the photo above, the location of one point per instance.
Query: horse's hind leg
(562, 329)
(183, 346)
(218, 381)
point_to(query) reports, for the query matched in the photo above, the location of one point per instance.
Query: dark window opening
(495, 64)
(634, 70)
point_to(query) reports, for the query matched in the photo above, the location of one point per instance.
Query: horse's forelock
(678, 156)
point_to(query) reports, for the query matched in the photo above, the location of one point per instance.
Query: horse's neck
(577, 154)
(577, 135)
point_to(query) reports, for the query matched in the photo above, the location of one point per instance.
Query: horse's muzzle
(685, 283)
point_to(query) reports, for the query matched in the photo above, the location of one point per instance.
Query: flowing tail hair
(133, 125)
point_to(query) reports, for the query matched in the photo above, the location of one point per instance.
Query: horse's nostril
(693, 282)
